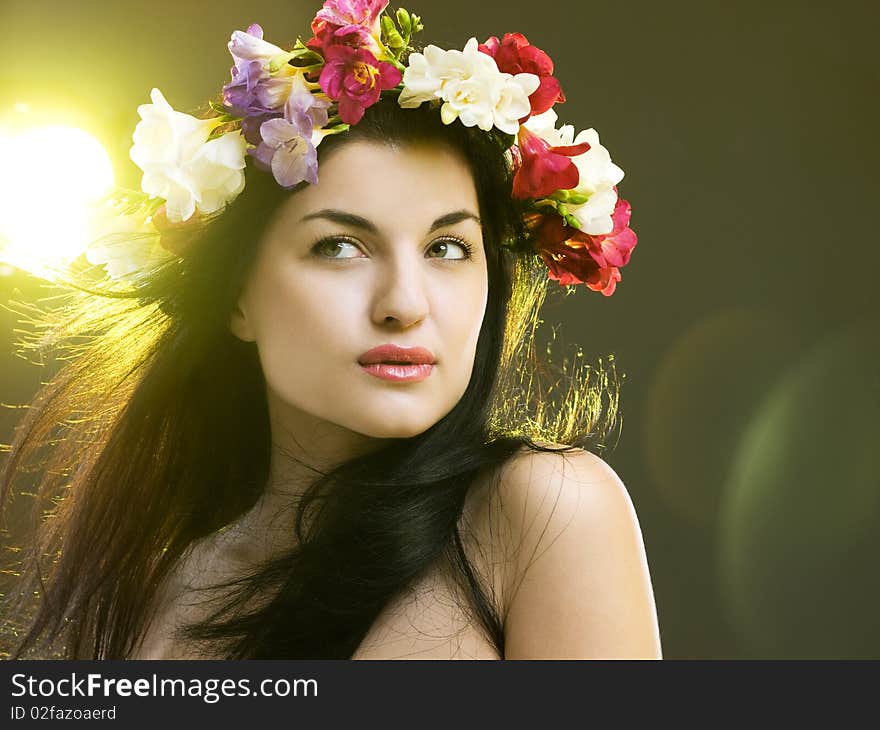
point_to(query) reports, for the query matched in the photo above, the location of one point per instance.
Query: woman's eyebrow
(339, 216)
(452, 218)
(350, 219)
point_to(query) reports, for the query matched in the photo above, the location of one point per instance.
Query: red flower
(544, 169)
(575, 257)
(514, 55)
(354, 78)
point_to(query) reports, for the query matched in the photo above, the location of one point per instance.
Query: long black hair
(154, 433)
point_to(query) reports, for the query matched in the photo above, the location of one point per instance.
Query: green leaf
(309, 57)
(276, 63)
(505, 140)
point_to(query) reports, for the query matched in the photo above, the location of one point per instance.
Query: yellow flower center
(366, 74)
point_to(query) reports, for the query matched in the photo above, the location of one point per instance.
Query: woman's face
(376, 253)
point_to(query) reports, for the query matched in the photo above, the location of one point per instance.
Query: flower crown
(279, 105)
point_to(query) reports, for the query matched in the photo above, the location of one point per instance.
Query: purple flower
(286, 145)
(249, 46)
(240, 94)
(304, 109)
(250, 126)
(284, 150)
(252, 91)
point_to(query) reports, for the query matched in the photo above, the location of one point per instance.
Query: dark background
(745, 323)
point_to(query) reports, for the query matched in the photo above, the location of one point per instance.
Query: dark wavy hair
(154, 433)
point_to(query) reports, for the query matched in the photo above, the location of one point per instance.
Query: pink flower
(575, 257)
(364, 13)
(347, 22)
(568, 265)
(615, 247)
(544, 169)
(514, 54)
(604, 281)
(354, 78)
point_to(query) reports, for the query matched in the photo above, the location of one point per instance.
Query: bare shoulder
(579, 586)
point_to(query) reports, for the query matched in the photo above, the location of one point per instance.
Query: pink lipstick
(397, 363)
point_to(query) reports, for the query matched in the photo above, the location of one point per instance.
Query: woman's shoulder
(541, 486)
(578, 583)
(558, 466)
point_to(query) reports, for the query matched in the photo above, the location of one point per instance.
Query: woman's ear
(239, 324)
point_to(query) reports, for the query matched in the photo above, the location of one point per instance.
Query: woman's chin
(384, 430)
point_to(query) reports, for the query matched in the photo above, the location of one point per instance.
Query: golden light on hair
(49, 178)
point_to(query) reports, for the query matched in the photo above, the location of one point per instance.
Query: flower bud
(403, 20)
(389, 32)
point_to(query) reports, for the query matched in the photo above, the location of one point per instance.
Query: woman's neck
(268, 528)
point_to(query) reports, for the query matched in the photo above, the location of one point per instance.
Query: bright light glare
(48, 177)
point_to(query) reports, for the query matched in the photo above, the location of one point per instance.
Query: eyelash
(468, 248)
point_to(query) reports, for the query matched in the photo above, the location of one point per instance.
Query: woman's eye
(459, 249)
(330, 247)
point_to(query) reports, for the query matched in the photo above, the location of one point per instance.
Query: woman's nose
(401, 293)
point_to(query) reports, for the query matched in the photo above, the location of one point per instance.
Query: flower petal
(292, 163)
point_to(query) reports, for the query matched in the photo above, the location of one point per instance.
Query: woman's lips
(399, 373)
(398, 363)
(392, 354)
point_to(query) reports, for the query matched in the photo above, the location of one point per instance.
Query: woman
(313, 425)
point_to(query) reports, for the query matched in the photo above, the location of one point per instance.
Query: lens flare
(48, 179)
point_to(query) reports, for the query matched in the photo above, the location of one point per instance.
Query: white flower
(125, 244)
(419, 83)
(470, 100)
(470, 86)
(544, 125)
(513, 103)
(180, 165)
(597, 173)
(218, 172)
(594, 216)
